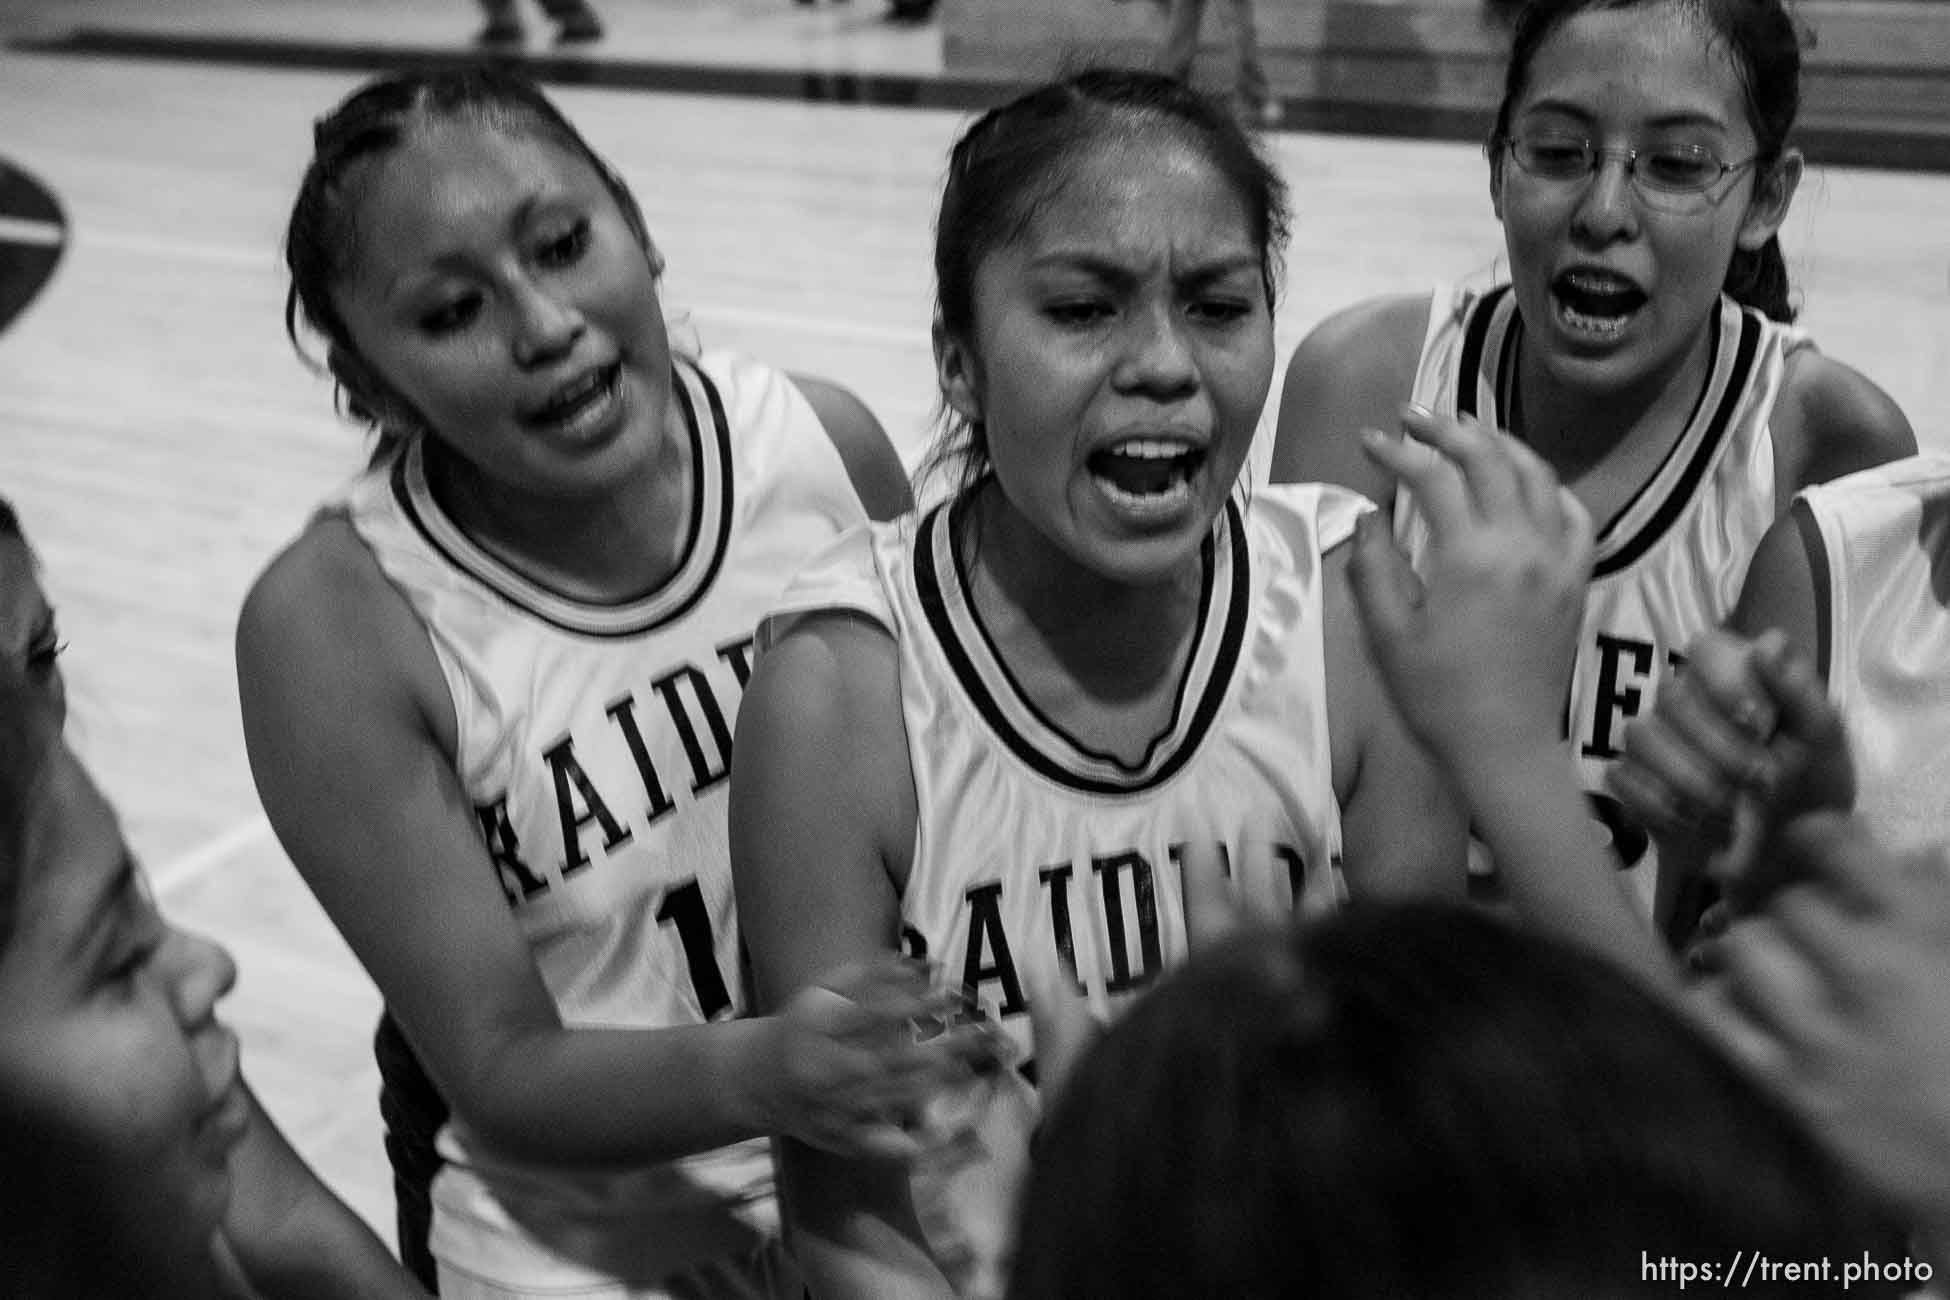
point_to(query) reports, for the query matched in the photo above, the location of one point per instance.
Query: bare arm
(292, 1236)
(1387, 855)
(1354, 371)
(350, 734)
(822, 824)
(872, 465)
(1833, 421)
(1477, 657)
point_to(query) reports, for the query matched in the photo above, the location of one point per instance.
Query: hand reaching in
(1477, 649)
(849, 1064)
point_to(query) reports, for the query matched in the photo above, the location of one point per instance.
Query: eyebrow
(453, 260)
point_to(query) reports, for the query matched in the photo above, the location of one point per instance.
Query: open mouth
(582, 399)
(1146, 473)
(1595, 303)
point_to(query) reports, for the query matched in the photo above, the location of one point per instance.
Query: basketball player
(138, 1160)
(488, 697)
(986, 733)
(1641, 169)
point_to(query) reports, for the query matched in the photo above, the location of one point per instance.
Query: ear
(958, 372)
(368, 396)
(1496, 182)
(1768, 208)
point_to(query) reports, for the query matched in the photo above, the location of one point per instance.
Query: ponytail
(1759, 279)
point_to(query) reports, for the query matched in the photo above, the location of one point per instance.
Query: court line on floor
(180, 872)
(35, 234)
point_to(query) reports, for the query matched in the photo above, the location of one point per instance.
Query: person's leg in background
(1180, 49)
(575, 22)
(1256, 104)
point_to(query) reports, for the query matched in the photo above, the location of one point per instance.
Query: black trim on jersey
(928, 583)
(1704, 454)
(1610, 559)
(1810, 531)
(703, 467)
(1474, 335)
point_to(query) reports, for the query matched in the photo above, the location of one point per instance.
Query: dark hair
(1014, 157)
(1414, 1100)
(1762, 42)
(322, 238)
(9, 521)
(30, 735)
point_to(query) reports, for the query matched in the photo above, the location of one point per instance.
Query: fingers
(1063, 1026)
(1811, 741)
(1485, 459)
(1387, 592)
(1432, 479)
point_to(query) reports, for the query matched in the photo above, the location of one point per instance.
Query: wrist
(749, 1070)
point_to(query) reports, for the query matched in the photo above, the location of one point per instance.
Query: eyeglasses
(1666, 171)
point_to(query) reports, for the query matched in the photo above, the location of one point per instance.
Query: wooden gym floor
(161, 440)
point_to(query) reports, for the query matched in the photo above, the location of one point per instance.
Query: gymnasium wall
(1876, 88)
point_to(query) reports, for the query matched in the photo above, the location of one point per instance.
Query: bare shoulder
(871, 462)
(1353, 371)
(323, 622)
(1834, 420)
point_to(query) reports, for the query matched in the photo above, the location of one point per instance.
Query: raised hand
(1477, 649)
(1743, 738)
(850, 1064)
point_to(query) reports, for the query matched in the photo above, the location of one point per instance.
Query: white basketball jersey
(1881, 560)
(1031, 847)
(595, 743)
(1670, 564)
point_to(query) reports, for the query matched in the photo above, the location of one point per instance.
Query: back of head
(1413, 1101)
(1761, 42)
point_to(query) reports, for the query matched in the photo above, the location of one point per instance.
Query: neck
(618, 544)
(1575, 428)
(1115, 639)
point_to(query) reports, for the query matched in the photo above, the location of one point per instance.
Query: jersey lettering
(683, 907)
(562, 765)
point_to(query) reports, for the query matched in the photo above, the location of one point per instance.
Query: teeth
(1149, 449)
(1598, 282)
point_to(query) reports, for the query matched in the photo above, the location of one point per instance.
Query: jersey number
(683, 907)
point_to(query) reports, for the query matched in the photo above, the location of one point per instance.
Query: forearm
(1529, 808)
(619, 1097)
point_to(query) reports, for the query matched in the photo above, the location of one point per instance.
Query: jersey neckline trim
(1218, 638)
(702, 557)
(1496, 329)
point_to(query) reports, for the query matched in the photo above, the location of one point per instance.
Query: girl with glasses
(1643, 346)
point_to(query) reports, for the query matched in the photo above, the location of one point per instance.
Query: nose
(1607, 210)
(199, 973)
(1157, 360)
(546, 324)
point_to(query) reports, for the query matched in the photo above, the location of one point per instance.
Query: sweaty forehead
(448, 176)
(1138, 187)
